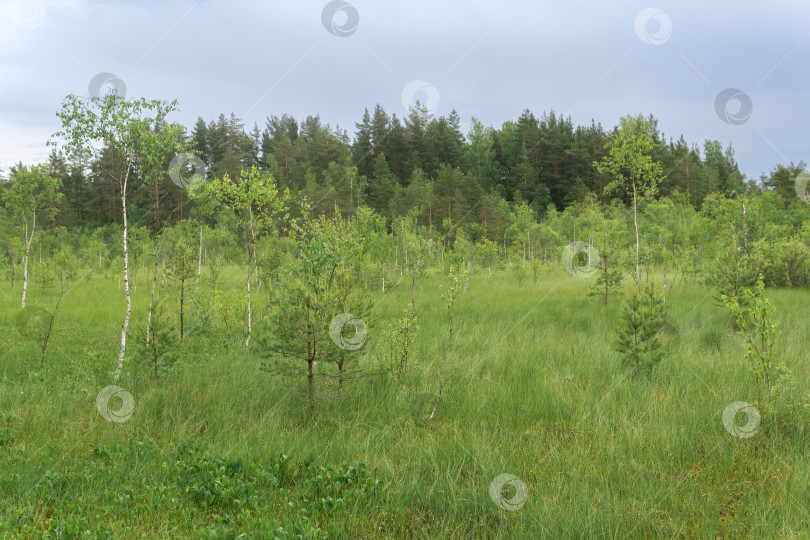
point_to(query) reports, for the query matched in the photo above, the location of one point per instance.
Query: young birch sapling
(450, 295)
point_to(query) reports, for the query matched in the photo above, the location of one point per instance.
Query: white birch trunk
(28, 240)
(126, 281)
(199, 262)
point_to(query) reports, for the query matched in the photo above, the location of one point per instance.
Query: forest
(538, 329)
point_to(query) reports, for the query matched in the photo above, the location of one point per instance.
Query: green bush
(783, 264)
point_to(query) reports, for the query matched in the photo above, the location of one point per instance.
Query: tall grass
(534, 389)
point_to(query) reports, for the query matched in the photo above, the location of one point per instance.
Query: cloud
(487, 59)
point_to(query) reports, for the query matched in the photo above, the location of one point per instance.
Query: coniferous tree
(609, 281)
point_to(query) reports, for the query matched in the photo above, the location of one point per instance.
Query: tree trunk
(607, 270)
(310, 383)
(745, 227)
(25, 272)
(152, 293)
(157, 216)
(249, 315)
(441, 369)
(340, 362)
(126, 281)
(199, 262)
(182, 297)
(28, 239)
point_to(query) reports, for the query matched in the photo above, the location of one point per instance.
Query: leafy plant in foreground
(398, 336)
(453, 290)
(759, 328)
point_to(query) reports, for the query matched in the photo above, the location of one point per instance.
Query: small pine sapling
(158, 345)
(639, 330)
(610, 278)
(350, 298)
(732, 273)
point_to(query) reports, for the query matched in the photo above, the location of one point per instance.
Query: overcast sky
(595, 59)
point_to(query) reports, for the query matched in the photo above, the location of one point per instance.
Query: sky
(734, 71)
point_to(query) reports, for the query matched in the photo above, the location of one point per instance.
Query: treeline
(394, 165)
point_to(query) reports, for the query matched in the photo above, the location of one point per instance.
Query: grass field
(217, 447)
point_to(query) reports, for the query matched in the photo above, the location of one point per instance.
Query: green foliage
(312, 290)
(630, 161)
(518, 264)
(135, 129)
(252, 197)
(66, 266)
(782, 264)
(485, 253)
(397, 337)
(181, 268)
(214, 481)
(123, 481)
(530, 357)
(638, 334)
(257, 204)
(44, 277)
(630, 158)
(231, 485)
(29, 193)
(733, 272)
(159, 347)
(454, 289)
(376, 244)
(350, 298)
(609, 281)
(32, 191)
(230, 309)
(759, 328)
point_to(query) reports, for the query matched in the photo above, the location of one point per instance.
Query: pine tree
(609, 281)
(159, 349)
(638, 338)
(361, 149)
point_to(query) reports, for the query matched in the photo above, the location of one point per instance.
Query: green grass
(533, 390)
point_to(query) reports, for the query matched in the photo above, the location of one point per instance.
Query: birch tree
(31, 191)
(629, 161)
(137, 134)
(256, 203)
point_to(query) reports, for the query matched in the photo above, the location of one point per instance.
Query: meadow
(219, 448)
